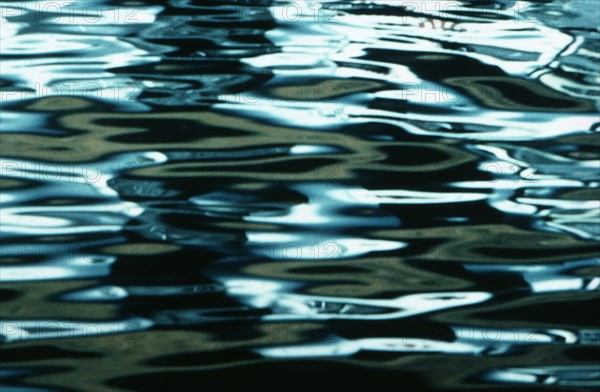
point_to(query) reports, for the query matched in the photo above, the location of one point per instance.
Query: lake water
(309, 195)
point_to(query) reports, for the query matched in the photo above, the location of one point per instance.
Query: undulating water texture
(277, 195)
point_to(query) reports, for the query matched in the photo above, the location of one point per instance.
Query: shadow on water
(286, 195)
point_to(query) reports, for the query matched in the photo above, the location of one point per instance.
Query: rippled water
(358, 195)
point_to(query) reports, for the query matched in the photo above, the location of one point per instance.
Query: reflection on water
(286, 195)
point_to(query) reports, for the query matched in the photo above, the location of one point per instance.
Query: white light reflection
(288, 306)
(18, 330)
(574, 376)
(547, 278)
(62, 267)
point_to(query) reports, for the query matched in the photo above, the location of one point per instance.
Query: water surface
(286, 195)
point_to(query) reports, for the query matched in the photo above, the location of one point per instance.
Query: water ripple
(203, 191)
